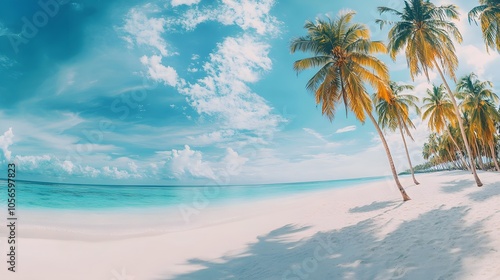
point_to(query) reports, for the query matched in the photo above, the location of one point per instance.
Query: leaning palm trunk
(494, 155)
(462, 157)
(484, 157)
(406, 150)
(479, 155)
(461, 125)
(389, 157)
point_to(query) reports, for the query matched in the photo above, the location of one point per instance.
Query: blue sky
(186, 92)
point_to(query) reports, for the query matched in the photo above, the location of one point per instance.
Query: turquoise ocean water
(34, 195)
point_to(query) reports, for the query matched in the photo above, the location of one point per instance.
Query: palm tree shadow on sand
(486, 192)
(433, 246)
(374, 206)
(457, 186)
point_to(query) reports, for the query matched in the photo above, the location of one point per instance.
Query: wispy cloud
(346, 129)
(324, 143)
(224, 91)
(159, 72)
(5, 142)
(223, 94)
(315, 134)
(184, 2)
(144, 30)
(248, 14)
(212, 137)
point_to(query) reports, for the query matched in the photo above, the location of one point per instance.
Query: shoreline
(127, 222)
(448, 229)
(41, 197)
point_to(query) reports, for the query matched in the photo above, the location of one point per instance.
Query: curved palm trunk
(462, 157)
(484, 156)
(389, 157)
(494, 155)
(461, 125)
(407, 154)
(475, 153)
(479, 156)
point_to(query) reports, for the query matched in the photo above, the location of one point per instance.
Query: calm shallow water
(31, 195)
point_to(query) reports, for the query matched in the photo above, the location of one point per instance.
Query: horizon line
(208, 185)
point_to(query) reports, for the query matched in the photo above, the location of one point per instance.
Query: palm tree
(395, 114)
(453, 133)
(426, 34)
(479, 101)
(343, 52)
(440, 152)
(488, 14)
(440, 112)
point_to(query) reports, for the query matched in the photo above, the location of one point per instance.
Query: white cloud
(315, 134)
(144, 30)
(224, 92)
(283, 163)
(233, 162)
(184, 2)
(242, 58)
(159, 72)
(114, 172)
(346, 129)
(316, 166)
(421, 84)
(54, 166)
(250, 14)
(5, 141)
(133, 166)
(91, 171)
(32, 161)
(190, 162)
(247, 14)
(67, 166)
(212, 137)
(475, 58)
(325, 144)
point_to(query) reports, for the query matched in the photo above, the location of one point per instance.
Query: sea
(59, 196)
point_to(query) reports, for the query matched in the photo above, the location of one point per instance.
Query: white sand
(450, 230)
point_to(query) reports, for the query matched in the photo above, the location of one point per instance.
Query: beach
(449, 230)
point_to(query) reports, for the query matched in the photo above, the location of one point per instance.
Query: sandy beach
(449, 230)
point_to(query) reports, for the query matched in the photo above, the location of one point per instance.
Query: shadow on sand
(432, 246)
(486, 192)
(457, 186)
(376, 205)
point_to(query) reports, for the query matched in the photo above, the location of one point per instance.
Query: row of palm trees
(481, 120)
(345, 56)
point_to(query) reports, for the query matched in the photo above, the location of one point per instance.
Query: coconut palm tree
(432, 150)
(488, 14)
(441, 114)
(440, 152)
(343, 52)
(396, 114)
(479, 102)
(453, 132)
(426, 32)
